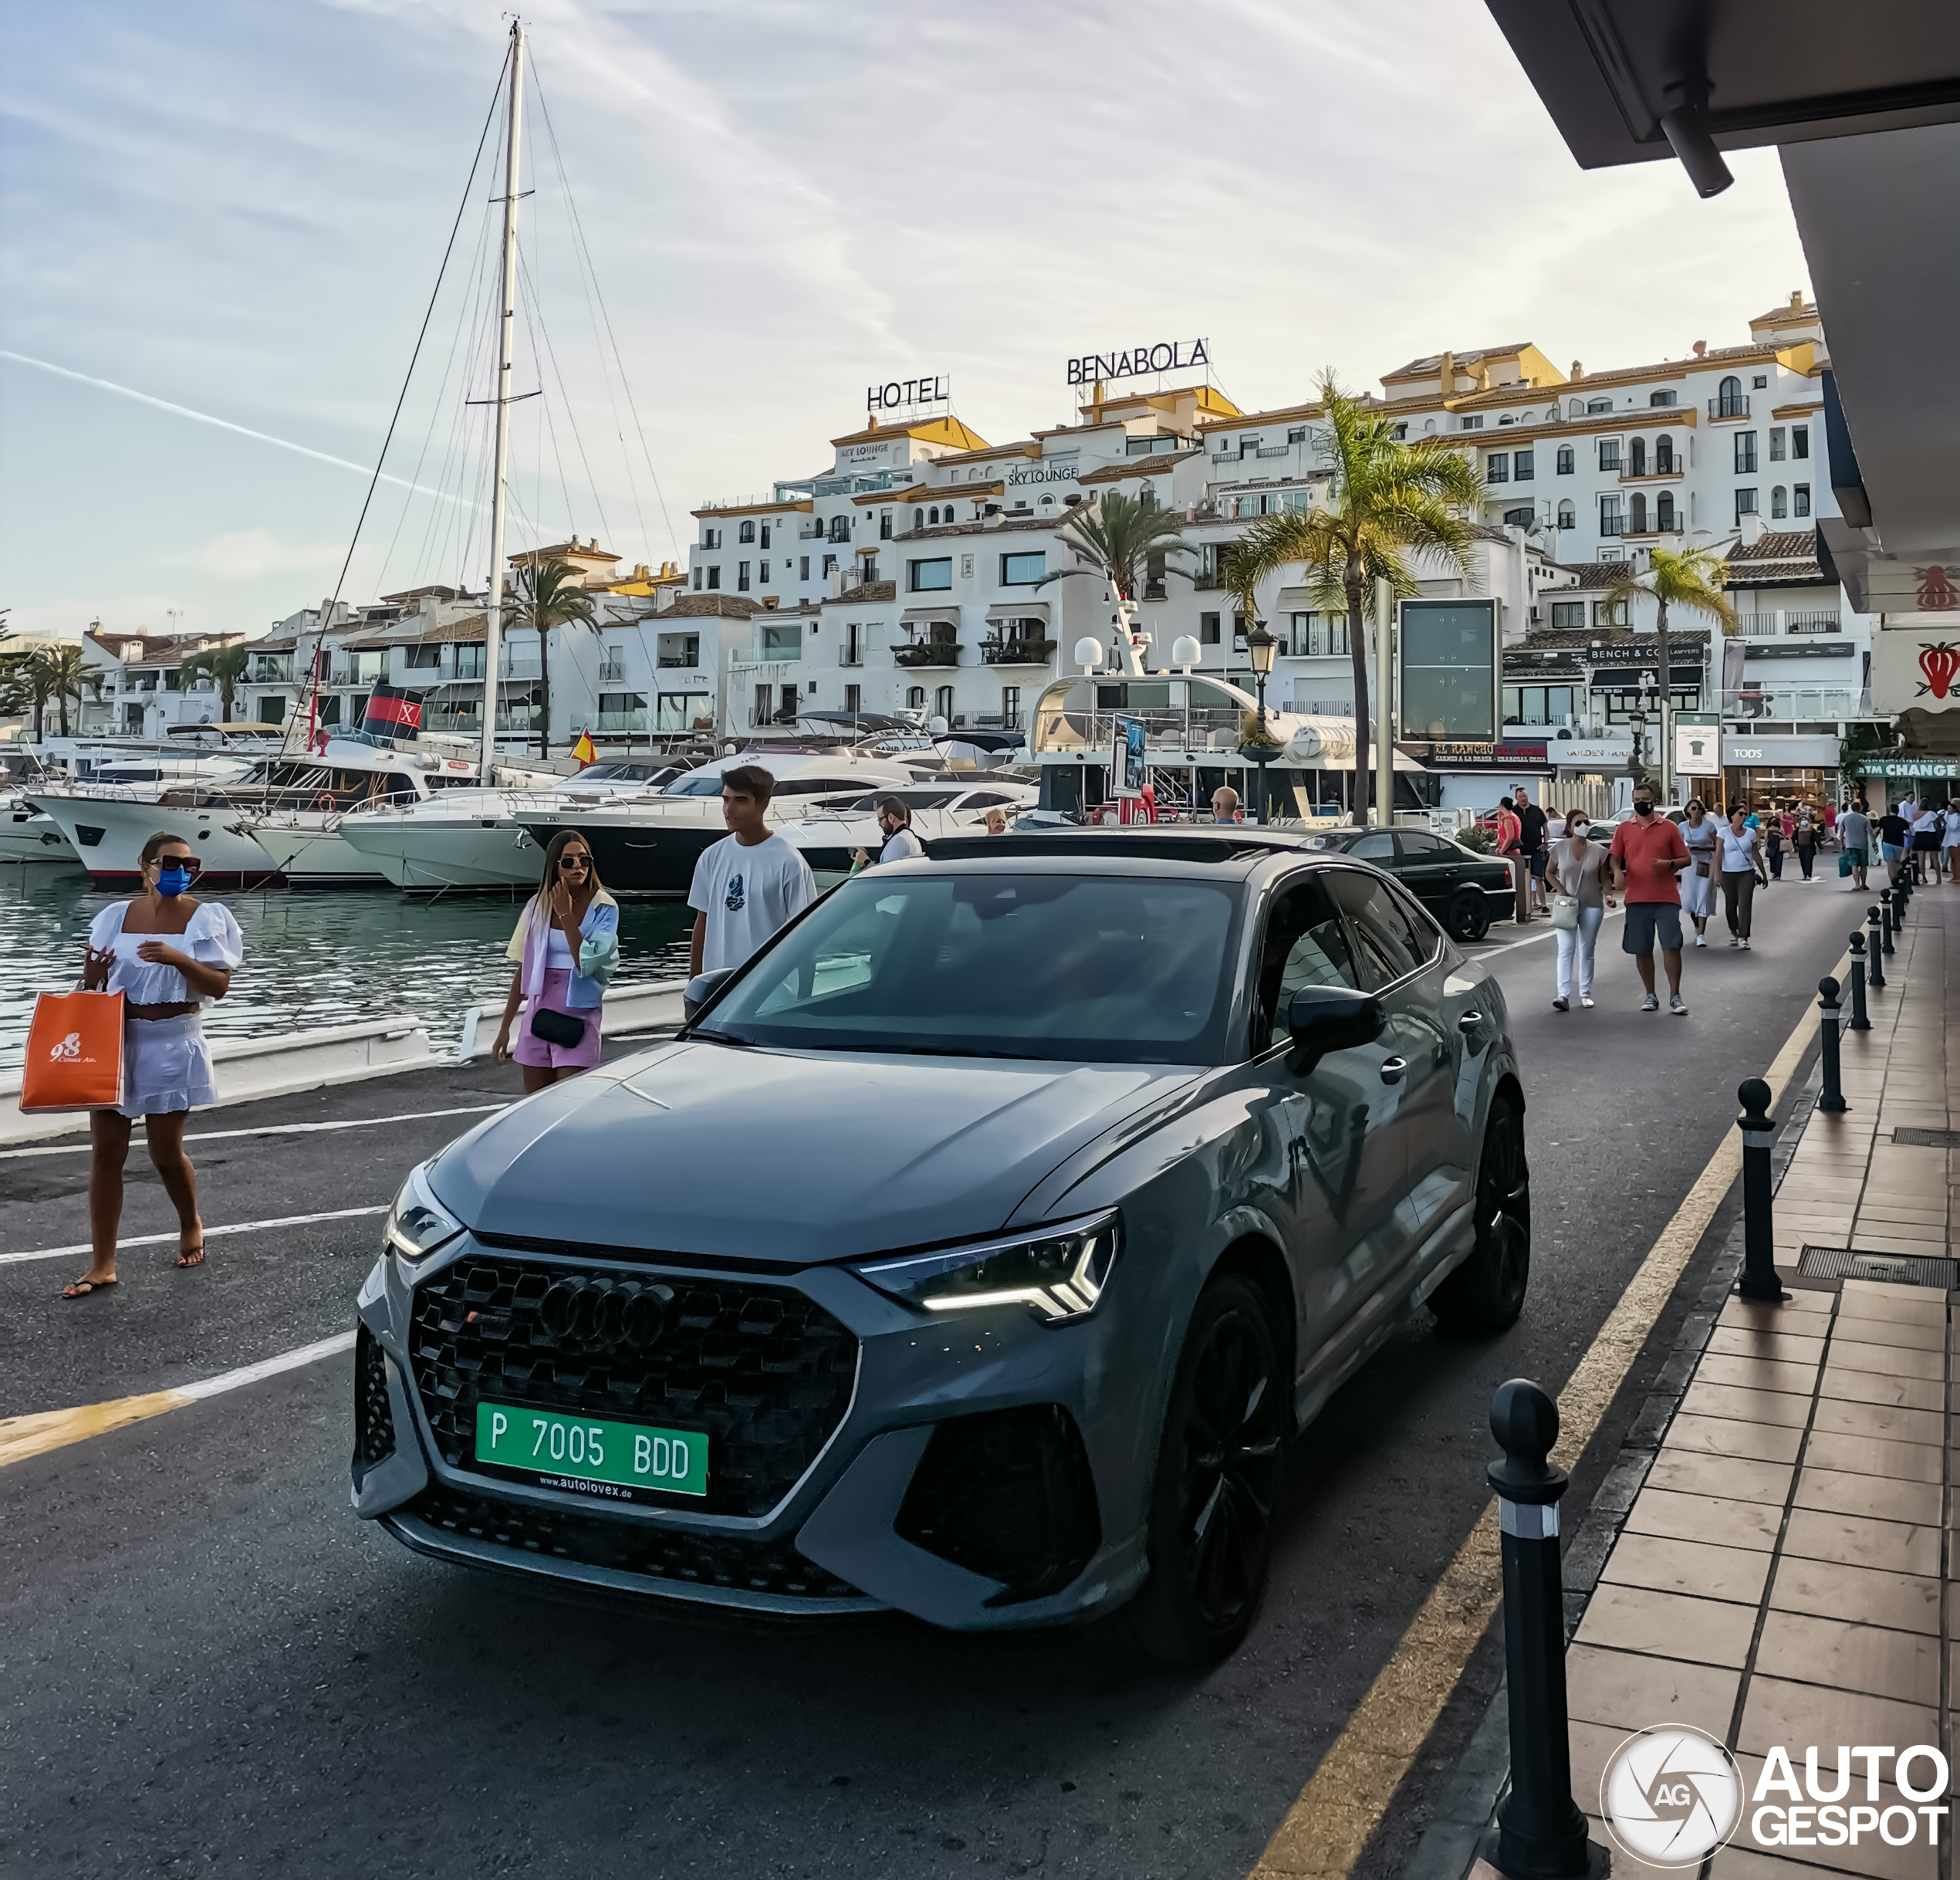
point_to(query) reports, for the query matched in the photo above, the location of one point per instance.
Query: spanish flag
(583, 750)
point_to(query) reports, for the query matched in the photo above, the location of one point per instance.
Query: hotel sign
(1165, 355)
(896, 394)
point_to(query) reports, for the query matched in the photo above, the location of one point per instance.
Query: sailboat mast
(494, 612)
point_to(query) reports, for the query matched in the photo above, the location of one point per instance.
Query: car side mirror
(699, 989)
(1330, 1018)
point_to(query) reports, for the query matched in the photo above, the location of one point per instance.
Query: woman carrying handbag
(1700, 832)
(1742, 872)
(566, 947)
(1576, 874)
(169, 956)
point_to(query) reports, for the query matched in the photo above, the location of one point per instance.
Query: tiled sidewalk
(1782, 1576)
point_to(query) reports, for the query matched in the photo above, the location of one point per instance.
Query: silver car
(977, 1250)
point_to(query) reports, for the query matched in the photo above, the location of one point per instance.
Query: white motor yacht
(30, 835)
(476, 840)
(650, 845)
(829, 838)
(298, 799)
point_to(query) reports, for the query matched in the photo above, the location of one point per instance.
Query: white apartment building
(909, 576)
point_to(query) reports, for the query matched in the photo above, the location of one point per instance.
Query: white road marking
(274, 1129)
(211, 1233)
(269, 1367)
(1532, 939)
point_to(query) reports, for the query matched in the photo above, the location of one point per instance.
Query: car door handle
(1392, 1069)
(1469, 1021)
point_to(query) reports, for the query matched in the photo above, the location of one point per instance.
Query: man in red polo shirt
(1649, 856)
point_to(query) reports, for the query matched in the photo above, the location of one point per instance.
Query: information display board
(1448, 669)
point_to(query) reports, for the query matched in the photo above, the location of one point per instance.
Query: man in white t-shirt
(895, 820)
(750, 883)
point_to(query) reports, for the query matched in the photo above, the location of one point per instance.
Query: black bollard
(1875, 952)
(1890, 918)
(1859, 1021)
(1832, 1101)
(1900, 895)
(1759, 1280)
(1541, 1835)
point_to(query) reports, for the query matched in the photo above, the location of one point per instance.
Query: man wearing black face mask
(1649, 856)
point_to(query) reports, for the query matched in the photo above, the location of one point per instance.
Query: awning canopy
(1630, 675)
(1019, 610)
(945, 610)
(859, 721)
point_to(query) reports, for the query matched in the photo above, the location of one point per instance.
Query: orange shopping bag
(74, 1053)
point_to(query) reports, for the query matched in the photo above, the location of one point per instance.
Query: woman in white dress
(169, 956)
(1698, 882)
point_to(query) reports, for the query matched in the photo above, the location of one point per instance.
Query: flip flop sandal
(192, 1256)
(84, 1286)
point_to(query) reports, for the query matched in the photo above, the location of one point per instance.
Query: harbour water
(315, 958)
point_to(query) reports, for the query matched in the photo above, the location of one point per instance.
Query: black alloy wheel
(1468, 917)
(1485, 1294)
(1218, 1471)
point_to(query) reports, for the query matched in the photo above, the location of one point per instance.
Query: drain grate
(1927, 1138)
(1900, 1269)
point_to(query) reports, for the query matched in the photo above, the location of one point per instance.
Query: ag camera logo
(1671, 1795)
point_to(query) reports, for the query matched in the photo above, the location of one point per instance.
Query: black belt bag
(558, 1028)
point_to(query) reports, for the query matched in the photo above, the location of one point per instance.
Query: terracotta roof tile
(697, 606)
(1777, 544)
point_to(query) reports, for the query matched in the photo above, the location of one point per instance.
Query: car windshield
(1099, 968)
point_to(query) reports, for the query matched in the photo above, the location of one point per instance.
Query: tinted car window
(1304, 944)
(1417, 842)
(1384, 938)
(1379, 847)
(1105, 969)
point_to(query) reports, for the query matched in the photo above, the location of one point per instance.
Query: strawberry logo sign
(1939, 663)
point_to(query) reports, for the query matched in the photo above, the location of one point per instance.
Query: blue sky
(238, 209)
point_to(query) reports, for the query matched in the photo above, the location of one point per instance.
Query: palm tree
(60, 672)
(225, 666)
(1389, 499)
(1118, 538)
(547, 596)
(1692, 579)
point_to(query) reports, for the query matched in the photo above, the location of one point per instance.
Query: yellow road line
(23, 1436)
(1329, 1825)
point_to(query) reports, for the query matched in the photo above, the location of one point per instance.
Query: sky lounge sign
(1166, 356)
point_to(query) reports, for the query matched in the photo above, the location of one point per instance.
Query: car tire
(1485, 1295)
(1219, 1465)
(1469, 916)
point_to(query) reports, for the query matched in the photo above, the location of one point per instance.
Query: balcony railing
(1791, 703)
(928, 652)
(765, 655)
(612, 672)
(760, 715)
(273, 672)
(1813, 622)
(1016, 652)
(676, 662)
(1767, 626)
(622, 721)
(1737, 406)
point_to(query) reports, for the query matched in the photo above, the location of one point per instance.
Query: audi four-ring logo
(601, 1311)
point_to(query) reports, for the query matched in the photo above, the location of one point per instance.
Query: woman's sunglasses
(189, 864)
(574, 860)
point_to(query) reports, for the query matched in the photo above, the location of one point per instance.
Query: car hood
(784, 1157)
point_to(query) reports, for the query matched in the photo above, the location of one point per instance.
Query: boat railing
(1194, 728)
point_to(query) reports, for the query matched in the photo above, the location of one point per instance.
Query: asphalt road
(210, 1667)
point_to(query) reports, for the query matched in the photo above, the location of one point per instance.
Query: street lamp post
(1261, 646)
(1636, 724)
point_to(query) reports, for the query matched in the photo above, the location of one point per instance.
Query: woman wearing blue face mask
(167, 954)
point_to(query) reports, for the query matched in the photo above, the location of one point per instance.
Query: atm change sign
(1449, 670)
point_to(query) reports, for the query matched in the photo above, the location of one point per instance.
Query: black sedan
(1465, 891)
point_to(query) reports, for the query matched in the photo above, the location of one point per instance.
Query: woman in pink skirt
(566, 946)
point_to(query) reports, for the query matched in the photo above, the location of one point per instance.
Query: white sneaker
(1677, 1005)
(1585, 999)
(1651, 1003)
(1701, 940)
(1745, 943)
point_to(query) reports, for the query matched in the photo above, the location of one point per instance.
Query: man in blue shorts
(1649, 856)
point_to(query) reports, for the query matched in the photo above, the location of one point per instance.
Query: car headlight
(418, 1224)
(1058, 1273)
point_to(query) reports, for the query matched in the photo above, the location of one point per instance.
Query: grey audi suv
(976, 1250)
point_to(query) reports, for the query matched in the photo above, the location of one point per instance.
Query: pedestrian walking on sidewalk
(566, 946)
(1576, 873)
(1830, 823)
(1894, 832)
(1854, 831)
(751, 883)
(1928, 833)
(1950, 841)
(1741, 870)
(1532, 823)
(1649, 856)
(170, 956)
(1773, 843)
(1700, 832)
(1805, 842)
(1509, 847)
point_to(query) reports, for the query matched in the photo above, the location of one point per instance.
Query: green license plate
(577, 1451)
